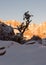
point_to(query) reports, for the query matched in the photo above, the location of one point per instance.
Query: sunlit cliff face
(42, 30)
(33, 29)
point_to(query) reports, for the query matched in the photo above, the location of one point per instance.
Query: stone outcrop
(5, 32)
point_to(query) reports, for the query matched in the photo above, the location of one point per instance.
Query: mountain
(41, 30)
(33, 29)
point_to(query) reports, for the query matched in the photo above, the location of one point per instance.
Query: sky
(14, 9)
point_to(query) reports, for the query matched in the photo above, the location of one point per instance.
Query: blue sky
(14, 9)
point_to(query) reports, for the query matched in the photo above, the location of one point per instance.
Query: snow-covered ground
(17, 54)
